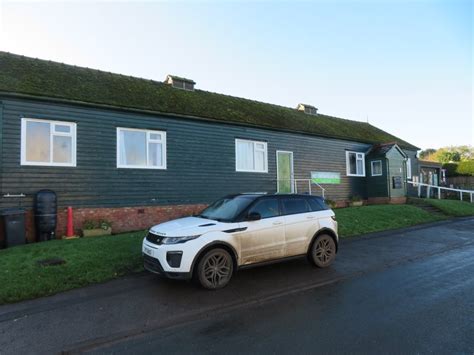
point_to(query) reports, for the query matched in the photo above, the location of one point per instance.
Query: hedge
(463, 168)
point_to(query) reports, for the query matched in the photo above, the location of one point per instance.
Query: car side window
(316, 204)
(267, 208)
(295, 205)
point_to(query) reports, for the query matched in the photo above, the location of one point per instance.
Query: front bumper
(172, 261)
(153, 265)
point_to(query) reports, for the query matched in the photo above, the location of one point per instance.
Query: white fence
(438, 189)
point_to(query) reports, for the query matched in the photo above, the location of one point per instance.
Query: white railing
(430, 188)
(295, 182)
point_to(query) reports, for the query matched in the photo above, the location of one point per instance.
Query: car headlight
(177, 240)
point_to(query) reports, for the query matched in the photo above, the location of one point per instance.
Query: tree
(448, 154)
(427, 153)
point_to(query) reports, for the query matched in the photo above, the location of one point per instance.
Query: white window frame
(148, 140)
(372, 167)
(359, 156)
(409, 174)
(52, 134)
(255, 149)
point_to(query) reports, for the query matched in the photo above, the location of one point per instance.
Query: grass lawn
(452, 207)
(98, 259)
(88, 260)
(366, 219)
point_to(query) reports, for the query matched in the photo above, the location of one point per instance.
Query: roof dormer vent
(180, 83)
(308, 109)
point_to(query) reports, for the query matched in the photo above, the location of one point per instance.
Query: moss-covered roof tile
(46, 79)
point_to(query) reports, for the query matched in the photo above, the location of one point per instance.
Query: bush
(450, 169)
(466, 168)
(459, 169)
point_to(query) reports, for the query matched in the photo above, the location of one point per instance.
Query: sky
(405, 66)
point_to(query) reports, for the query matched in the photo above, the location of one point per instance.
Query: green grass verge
(452, 207)
(93, 260)
(366, 219)
(88, 260)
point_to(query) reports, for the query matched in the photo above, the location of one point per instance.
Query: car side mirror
(254, 216)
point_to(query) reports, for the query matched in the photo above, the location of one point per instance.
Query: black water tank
(14, 226)
(45, 214)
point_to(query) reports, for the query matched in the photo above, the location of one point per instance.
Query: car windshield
(227, 208)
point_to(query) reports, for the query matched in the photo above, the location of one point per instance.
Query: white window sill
(140, 167)
(60, 165)
(252, 171)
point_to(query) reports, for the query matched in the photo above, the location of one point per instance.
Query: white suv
(242, 230)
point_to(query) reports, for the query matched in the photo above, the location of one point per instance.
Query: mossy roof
(52, 80)
(381, 150)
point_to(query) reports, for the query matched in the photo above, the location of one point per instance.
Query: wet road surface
(403, 291)
(421, 307)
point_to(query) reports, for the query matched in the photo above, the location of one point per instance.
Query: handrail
(309, 181)
(429, 187)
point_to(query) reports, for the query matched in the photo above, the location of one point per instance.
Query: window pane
(62, 149)
(295, 205)
(155, 136)
(266, 208)
(259, 160)
(155, 154)
(376, 168)
(132, 148)
(316, 204)
(62, 128)
(360, 168)
(37, 141)
(352, 163)
(245, 155)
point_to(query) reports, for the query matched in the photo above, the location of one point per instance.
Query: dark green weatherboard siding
(376, 185)
(396, 167)
(46, 79)
(200, 160)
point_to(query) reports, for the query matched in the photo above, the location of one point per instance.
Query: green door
(285, 172)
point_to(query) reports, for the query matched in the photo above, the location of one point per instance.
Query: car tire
(323, 251)
(215, 269)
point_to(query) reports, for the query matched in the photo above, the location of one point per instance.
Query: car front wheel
(215, 269)
(323, 251)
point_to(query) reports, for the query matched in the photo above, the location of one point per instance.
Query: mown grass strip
(367, 219)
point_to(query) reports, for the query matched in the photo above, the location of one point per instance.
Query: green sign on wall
(319, 177)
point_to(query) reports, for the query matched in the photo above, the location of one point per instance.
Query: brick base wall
(124, 219)
(386, 200)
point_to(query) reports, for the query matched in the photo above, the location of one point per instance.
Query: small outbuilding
(387, 168)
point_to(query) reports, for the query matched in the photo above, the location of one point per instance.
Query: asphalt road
(393, 292)
(422, 307)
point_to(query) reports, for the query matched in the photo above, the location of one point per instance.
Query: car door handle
(277, 223)
(310, 217)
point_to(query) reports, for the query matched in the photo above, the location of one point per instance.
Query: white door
(263, 239)
(285, 182)
(300, 224)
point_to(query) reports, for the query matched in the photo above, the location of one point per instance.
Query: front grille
(153, 238)
(152, 264)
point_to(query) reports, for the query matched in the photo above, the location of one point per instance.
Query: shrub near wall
(463, 168)
(466, 168)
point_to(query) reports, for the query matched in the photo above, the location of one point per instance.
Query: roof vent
(180, 83)
(308, 109)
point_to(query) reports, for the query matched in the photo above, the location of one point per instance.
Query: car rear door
(301, 223)
(263, 239)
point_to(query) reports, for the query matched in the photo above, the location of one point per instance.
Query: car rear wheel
(215, 269)
(323, 251)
